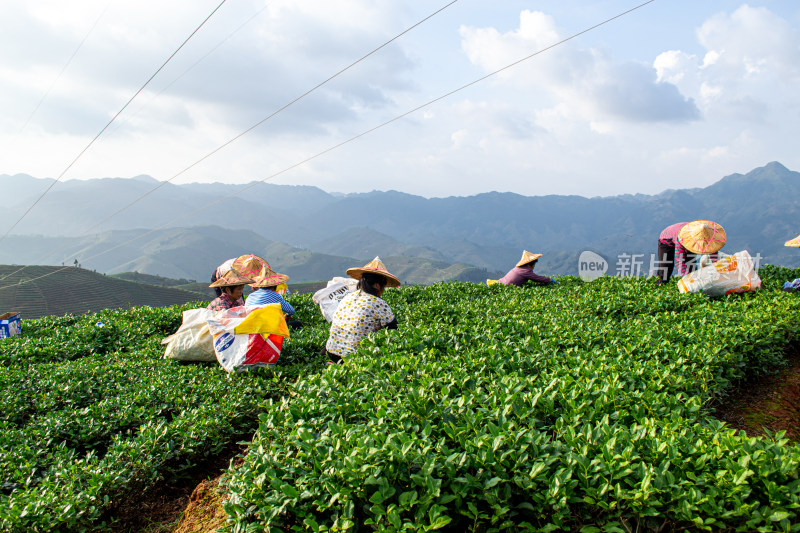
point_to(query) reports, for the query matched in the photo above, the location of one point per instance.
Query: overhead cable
(64, 68)
(351, 139)
(251, 128)
(223, 41)
(109, 123)
(262, 121)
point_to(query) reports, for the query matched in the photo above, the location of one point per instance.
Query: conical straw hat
(268, 278)
(702, 237)
(232, 278)
(249, 265)
(794, 242)
(528, 257)
(375, 266)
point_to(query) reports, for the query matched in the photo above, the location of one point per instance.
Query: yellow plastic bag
(490, 282)
(268, 320)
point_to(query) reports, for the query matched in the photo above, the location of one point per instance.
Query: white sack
(328, 298)
(731, 274)
(193, 340)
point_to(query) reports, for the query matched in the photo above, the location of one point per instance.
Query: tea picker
(523, 272)
(679, 244)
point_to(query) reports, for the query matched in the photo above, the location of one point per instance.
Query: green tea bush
(577, 407)
(90, 414)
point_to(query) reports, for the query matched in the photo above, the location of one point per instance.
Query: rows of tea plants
(578, 407)
(91, 415)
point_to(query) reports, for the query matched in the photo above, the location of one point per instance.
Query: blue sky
(678, 93)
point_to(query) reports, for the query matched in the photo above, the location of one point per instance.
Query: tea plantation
(576, 407)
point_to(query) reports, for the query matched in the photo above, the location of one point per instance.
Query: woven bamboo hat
(375, 266)
(250, 265)
(232, 278)
(702, 237)
(268, 278)
(794, 242)
(528, 257)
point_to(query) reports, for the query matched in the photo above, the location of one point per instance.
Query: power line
(219, 44)
(110, 122)
(355, 137)
(64, 68)
(262, 121)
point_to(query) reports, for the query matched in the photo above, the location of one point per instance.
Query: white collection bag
(193, 340)
(731, 274)
(328, 298)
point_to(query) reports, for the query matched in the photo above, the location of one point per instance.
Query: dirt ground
(194, 506)
(191, 504)
(771, 402)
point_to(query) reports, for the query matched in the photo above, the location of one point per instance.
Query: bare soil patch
(770, 402)
(190, 504)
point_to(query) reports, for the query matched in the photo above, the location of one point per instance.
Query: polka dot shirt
(357, 315)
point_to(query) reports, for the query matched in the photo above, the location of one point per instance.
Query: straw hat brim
(231, 283)
(270, 281)
(232, 280)
(689, 239)
(356, 273)
(528, 260)
(793, 243)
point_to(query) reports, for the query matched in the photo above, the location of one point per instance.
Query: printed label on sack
(339, 293)
(223, 342)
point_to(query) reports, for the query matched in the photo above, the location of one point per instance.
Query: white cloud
(750, 42)
(600, 87)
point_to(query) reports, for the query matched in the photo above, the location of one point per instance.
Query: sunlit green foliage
(571, 407)
(568, 407)
(90, 413)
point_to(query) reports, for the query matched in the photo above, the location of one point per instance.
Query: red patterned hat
(268, 278)
(249, 265)
(232, 278)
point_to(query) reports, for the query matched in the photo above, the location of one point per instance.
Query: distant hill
(313, 235)
(366, 242)
(161, 281)
(192, 254)
(202, 287)
(45, 290)
(150, 279)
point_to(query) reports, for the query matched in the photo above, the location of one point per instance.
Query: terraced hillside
(37, 291)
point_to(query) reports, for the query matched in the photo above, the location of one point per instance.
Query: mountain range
(184, 231)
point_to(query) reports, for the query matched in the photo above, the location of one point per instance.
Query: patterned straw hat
(528, 257)
(375, 266)
(232, 278)
(794, 242)
(268, 278)
(702, 237)
(249, 265)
